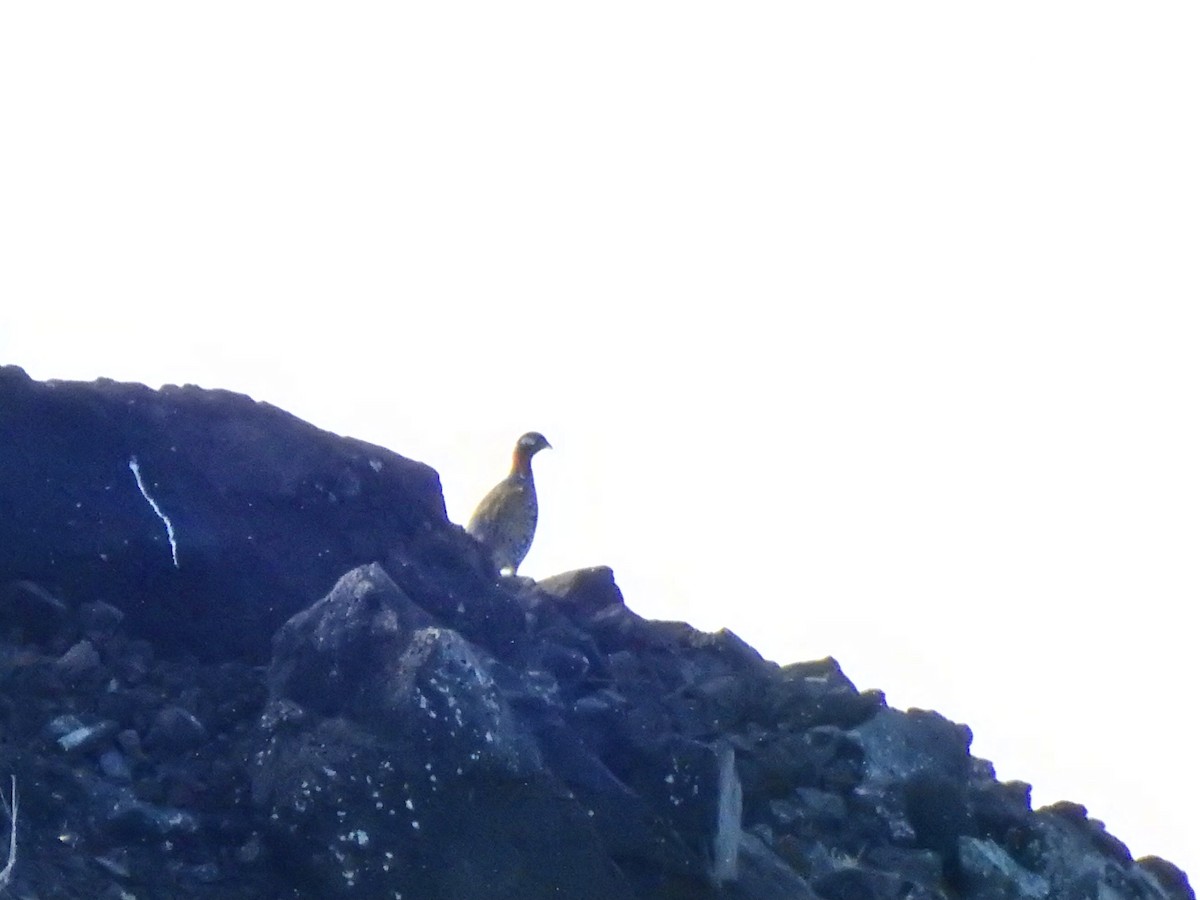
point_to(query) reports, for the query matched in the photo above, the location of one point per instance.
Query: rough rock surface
(324, 690)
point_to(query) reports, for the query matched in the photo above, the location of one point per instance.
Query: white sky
(867, 331)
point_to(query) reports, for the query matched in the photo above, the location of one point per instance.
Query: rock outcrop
(244, 658)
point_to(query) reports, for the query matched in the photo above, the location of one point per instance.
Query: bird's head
(527, 445)
(530, 443)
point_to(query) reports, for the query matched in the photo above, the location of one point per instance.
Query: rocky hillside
(244, 658)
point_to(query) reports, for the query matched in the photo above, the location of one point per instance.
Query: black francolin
(506, 518)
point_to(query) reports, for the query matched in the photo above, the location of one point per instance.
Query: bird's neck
(522, 464)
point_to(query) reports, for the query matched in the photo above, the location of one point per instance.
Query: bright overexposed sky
(865, 330)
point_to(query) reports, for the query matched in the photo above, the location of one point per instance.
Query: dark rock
(1169, 877)
(809, 810)
(372, 817)
(762, 875)
(100, 620)
(991, 874)
(913, 866)
(859, 883)
(330, 656)
(634, 832)
(1071, 853)
(132, 661)
(569, 653)
(900, 744)
(80, 739)
(916, 775)
(120, 815)
(936, 806)
(424, 728)
(175, 730)
(823, 757)
(680, 779)
(204, 873)
(803, 695)
(30, 612)
(124, 705)
(115, 767)
(613, 627)
(431, 734)
(266, 510)
(129, 741)
(467, 600)
(624, 667)
(568, 665)
(79, 663)
(1000, 808)
(584, 592)
(251, 851)
(734, 652)
(62, 725)
(116, 862)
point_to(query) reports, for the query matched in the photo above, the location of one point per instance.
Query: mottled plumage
(506, 518)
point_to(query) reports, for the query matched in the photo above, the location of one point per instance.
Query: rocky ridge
(241, 657)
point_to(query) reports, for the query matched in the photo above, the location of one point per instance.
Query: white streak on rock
(729, 820)
(137, 475)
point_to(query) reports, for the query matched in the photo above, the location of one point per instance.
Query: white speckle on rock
(416, 825)
(408, 803)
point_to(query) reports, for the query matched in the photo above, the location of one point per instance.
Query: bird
(506, 518)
